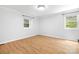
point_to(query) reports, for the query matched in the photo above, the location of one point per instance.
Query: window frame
(65, 22)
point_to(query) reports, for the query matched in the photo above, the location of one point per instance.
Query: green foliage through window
(71, 22)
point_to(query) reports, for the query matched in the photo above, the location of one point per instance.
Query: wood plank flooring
(40, 45)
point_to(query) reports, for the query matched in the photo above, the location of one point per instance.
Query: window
(71, 22)
(26, 23)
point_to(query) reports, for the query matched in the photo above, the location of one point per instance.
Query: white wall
(53, 25)
(11, 26)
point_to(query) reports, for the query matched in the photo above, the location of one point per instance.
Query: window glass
(71, 22)
(26, 23)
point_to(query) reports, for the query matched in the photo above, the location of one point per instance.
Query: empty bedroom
(39, 29)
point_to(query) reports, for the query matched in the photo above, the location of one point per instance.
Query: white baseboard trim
(56, 36)
(60, 37)
(16, 39)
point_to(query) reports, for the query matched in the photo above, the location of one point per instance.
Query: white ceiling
(32, 11)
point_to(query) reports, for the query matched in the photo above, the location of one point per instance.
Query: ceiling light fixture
(41, 7)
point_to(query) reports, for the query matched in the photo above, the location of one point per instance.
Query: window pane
(26, 23)
(71, 22)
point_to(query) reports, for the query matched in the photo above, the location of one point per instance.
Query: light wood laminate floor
(40, 45)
